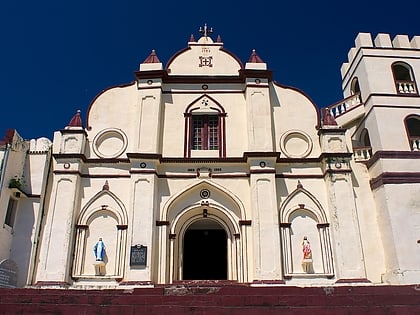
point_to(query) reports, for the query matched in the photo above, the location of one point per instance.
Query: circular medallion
(296, 144)
(142, 165)
(110, 143)
(205, 193)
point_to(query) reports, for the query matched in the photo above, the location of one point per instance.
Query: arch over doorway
(218, 213)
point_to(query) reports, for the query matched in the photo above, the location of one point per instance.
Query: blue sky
(56, 56)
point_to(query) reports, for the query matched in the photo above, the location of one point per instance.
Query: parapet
(40, 145)
(364, 40)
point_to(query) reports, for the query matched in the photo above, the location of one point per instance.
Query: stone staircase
(215, 299)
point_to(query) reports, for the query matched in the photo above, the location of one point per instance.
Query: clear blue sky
(57, 56)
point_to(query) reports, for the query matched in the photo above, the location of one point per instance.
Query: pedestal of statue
(307, 265)
(99, 268)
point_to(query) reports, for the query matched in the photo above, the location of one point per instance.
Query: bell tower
(381, 111)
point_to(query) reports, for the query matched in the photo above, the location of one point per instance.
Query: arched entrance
(208, 209)
(205, 251)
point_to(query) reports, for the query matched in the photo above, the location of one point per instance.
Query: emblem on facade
(205, 61)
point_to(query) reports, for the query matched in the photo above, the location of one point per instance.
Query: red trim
(318, 124)
(411, 72)
(395, 178)
(392, 155)
(88, 126)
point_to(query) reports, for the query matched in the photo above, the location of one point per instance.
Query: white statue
(99, 250)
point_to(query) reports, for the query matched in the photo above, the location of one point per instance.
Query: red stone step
(215, 299)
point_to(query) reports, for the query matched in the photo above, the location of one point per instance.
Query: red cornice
(395, 178)
(392, 155)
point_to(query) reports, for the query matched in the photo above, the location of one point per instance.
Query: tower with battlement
(382, 117)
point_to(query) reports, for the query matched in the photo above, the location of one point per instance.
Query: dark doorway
(205, 252)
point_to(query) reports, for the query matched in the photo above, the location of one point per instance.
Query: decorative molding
(265, 282)
(392, 155)
(162, 223)
(394, 178)
(285, 225)
(355, 280)
(137, 283)
(52, 283)
(322, 225)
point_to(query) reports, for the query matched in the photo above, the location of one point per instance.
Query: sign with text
(8, 274)
(138, 255)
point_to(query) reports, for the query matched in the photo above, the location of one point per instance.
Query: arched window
(363, 150)
(364, 138)
(355, 90)
(404, 78)
(412, 124)
(204, 129)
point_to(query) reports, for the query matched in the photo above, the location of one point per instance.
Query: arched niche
(303, 220)
(104, 216)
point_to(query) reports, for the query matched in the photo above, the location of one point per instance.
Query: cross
(205, 31)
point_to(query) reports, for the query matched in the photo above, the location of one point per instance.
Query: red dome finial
(153, 58)
(255, 58)
(76, 121)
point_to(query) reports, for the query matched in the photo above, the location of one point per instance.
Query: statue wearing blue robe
(99, 250)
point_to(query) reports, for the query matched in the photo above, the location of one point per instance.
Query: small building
(208, 169)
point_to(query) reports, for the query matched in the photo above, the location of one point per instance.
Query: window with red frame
(205, 132)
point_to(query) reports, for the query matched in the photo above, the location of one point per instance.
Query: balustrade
(362, 153)
(415, 143)
(345, 105)
(406, 87)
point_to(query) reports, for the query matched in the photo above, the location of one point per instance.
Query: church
(204, 168)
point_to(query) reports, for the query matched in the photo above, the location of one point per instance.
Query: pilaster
(265, 225)
(149, 85)
(344, 219)
(142, 227)
(259, 113)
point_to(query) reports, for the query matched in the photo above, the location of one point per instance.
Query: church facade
(208, 169)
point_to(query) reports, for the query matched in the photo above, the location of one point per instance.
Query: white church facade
(207, 169)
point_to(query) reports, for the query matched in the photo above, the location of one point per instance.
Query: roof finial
(105, 186)
(328, 118)
(76, 121)
(205, 30)
(152, 58)
(254, 58)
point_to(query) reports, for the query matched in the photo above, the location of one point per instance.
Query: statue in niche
(99, 250)
(307, 264)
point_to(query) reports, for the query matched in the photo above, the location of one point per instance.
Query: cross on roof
(205, 30)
